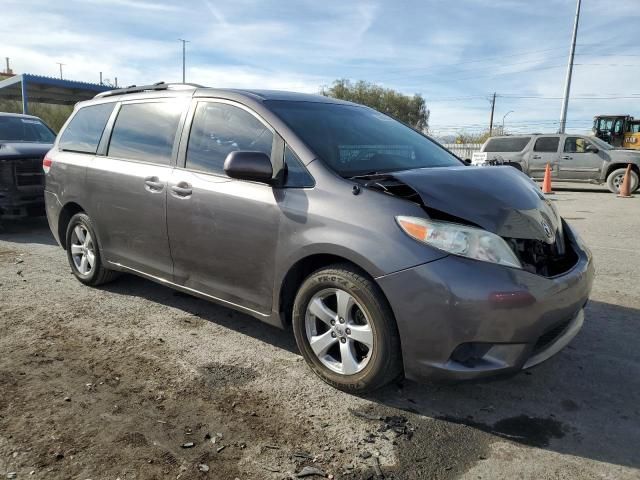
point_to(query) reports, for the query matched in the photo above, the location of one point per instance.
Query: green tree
(411, 110)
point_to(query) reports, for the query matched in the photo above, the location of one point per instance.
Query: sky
(455, 54)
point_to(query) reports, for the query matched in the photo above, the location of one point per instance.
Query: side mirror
(591, 149)
(254, 166)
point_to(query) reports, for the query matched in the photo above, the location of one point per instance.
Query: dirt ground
(136, 381)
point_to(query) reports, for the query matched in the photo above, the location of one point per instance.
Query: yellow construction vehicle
(622, 131)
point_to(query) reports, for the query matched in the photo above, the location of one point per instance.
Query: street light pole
(567, 84)
(503, 118)
(184, 55)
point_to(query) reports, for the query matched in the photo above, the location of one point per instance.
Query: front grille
(550, 336)
(29, 172)
(6, 174)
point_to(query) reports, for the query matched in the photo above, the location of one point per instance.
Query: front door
(545, 151)
(617, 132)
(128, 186)
(223, 232)
(580, 159)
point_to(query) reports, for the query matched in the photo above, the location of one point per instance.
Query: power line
(632, 96)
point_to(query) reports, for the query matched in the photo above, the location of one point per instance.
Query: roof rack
(148, 88)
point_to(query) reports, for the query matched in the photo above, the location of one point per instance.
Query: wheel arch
(617, 165)
(67, 212)
(300, 270)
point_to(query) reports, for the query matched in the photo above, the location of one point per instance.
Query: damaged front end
(500, 200)
(21, 180)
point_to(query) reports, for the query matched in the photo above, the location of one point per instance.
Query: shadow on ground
(28, 230)
(134, 286)
(582, 402)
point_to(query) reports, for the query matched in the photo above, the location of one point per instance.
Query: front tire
(345, 330)
(614, 180)
(83, 252)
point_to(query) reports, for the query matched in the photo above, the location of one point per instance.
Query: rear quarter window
(507, 144)
(85, 129)
(546, 144)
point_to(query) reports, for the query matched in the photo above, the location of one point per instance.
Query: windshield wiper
(370, 175)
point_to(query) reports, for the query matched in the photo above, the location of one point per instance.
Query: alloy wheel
(82, 250)
(338, 331)
(617, 181)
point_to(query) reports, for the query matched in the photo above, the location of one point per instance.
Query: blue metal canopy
(35, 88)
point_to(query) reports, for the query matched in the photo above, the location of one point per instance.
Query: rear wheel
(83, 252)
(345, 330)
(615, 178)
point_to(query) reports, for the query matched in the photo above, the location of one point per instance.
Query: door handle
(153, 184)
(567, 157)
(537, 157)
(182, 189)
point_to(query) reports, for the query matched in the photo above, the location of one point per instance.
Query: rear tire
(83, 252)
(614, 180)
(356, 346)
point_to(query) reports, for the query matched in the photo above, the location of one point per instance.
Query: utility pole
(61, 64)
(184, 56)
(567, 84)
(493, 108)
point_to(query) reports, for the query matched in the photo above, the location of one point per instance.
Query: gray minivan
(383, 251)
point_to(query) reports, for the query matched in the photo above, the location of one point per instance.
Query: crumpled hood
(501, 200)
(13, 150)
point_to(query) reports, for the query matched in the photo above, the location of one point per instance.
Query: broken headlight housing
(462, 240)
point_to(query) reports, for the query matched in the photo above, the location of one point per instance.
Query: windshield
(354, 140)
(21, 129)
(601, 143)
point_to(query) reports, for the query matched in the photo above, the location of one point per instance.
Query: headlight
(460, 240)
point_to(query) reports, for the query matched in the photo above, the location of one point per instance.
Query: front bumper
(499, 319)
(14, 204)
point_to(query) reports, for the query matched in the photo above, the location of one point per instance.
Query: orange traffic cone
(626, 184)
(546, 183)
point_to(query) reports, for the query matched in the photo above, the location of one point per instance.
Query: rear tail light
(46, 163)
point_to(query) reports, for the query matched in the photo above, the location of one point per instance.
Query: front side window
(605, 124)
(85, 129)
(146, 131)
(219, 129)
(576, 145)
(506, 144)
(354, 140)
(297, 176)
(617, 128)
(546, 144)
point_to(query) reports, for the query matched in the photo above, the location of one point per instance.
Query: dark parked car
(24, 140)
(385, 253)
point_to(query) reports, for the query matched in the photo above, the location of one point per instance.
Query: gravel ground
(134, 380)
